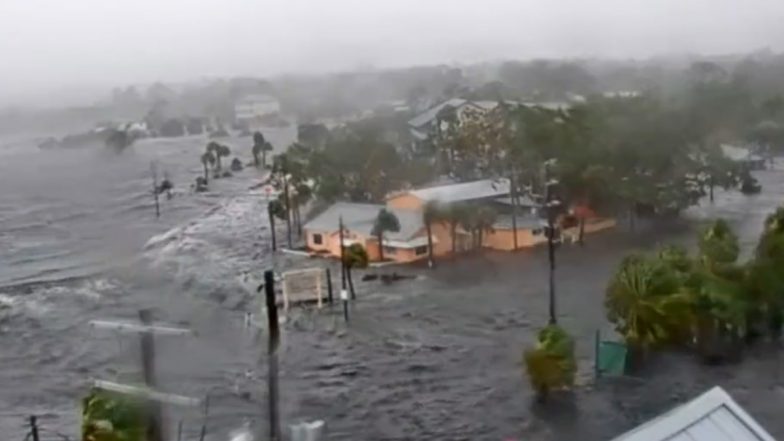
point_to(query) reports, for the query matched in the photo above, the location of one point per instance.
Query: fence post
(329, 286)
(272, 354)
(596, 352)
(34, 427)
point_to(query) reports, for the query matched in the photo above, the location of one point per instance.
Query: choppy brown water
(436, 358)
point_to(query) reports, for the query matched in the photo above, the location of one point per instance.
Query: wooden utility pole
(272, 355)
(155, 189)
(34, 428)
(549, 203)
(272, 225)
(155, 426)
(513, 195)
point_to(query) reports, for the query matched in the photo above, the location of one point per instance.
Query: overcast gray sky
(46, 45)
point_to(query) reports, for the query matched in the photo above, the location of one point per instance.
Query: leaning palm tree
(354, 256)
(456, 215)
(385, 221)
(258, 144)
(109, 416)
(221, 151)
(207, 160)
(485, 220)
(644, 302)
(431, 213)
(275, 208)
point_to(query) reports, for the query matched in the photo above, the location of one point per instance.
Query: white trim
(409, 244)
(679, 419)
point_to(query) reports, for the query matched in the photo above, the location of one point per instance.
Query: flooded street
(438, 357)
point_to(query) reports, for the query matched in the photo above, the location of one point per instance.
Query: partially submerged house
(743, 156)
(448, 235)
(713, 416)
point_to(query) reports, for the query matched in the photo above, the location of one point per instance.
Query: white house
(255, 106)
(713, 416)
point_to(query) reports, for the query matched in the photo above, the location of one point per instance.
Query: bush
(551, 363)
(109, 416)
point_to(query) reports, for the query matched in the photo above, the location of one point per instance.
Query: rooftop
(465, 191)
(713, 416)
(359, 218)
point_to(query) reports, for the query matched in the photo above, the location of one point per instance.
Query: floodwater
(437, 357)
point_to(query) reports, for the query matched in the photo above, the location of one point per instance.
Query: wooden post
(155, 426)
(272, 225)
(272, 352)
(597, 349)
(34, 428)
(155, 189)
(318, 290)
(344, 298)
(329, 286)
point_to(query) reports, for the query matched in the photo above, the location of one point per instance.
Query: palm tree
(275, 209)
(110, 416)
(485, 220)
(220, 152)
(456, 215)
(355, 256)
(644, 302)
(551, 364)
(385, 221)
(258, 143)
(301, 195)
(207, 159)
(280, 176)
(431, 213)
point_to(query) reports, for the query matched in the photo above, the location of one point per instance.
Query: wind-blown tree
(218, 151)
(275, 209)
(354, 256)
(430, 213)
(718, 292)
(385, 221)
(484, 221)
(110, 416)
(301, 195)
(551, 364)
(280, 178)
(456, 215)
(258, 144)
(207, 160)
(119, 139)
(644, 302)
(766, 278)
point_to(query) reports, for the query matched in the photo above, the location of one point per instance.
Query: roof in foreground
(360, 218)
(713, 416)
(464, 191)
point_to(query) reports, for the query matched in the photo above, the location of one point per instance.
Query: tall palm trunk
(430, 260)
(453, 231)
(350, 282)
(272, 228)
(380, 239)
(513, 194)
(711, 184)
(206, 173)
(288, 209)
(299, 222)
(263, 158)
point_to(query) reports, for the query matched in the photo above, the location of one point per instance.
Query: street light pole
(549, 204)
(342, 255)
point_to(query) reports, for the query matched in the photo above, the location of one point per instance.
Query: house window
(420, 250)
(390, 250)
(317, 239)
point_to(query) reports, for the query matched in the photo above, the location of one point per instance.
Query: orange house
(410, 243)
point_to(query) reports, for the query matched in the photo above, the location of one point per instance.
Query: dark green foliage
(551, 364)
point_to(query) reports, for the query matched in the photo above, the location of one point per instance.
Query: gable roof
(464, 191)
(359, 218)
(430, 114)
(713, 416)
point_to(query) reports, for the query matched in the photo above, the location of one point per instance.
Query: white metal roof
(713, 416)
(465, 191)
(360, 218)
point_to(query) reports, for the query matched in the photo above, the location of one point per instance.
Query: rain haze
(390, 220)
(48, 46)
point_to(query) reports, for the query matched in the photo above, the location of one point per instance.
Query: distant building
(713, 416)
(744, 156)
(254, 107)
(425, 123)
(411, 242)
